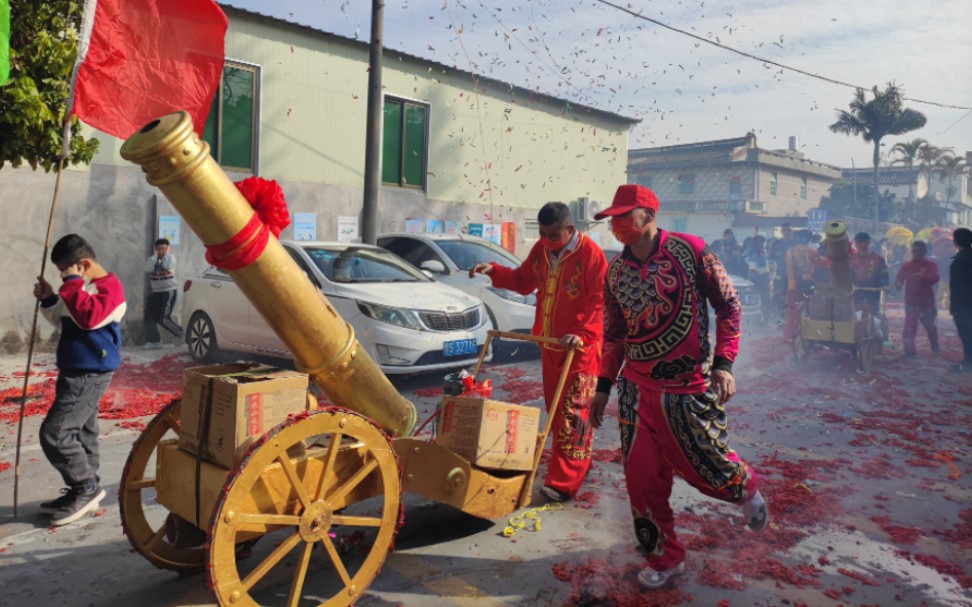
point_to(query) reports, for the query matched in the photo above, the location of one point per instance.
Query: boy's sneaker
(652, 579)
(152, 345)
(80, 504)
(554, 495)
(52, 506)
(757, 516)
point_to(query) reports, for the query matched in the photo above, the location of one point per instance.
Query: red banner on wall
(508, 236)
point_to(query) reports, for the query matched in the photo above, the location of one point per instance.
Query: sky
(684, 89)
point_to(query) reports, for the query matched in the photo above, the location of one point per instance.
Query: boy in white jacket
(158, 308)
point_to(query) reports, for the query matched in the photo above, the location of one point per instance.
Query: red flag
(149, 58)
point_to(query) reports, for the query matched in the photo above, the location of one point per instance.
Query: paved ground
(868, 480)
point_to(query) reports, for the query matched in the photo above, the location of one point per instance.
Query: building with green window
(457, 149)
(709, 186)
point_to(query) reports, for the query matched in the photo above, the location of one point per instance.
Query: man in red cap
(566, 269)
(671, 396)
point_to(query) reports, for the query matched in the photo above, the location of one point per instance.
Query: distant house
(708, 186)
(949, 193)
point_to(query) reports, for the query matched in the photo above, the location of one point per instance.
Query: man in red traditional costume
(567, 270)
(801, 261)
(671, 395)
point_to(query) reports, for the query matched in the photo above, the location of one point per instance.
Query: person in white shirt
(158, 308)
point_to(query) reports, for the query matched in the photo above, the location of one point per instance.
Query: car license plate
(459, 347)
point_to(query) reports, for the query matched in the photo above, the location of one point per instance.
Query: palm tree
(907, 154)
(873, 120)
(928, 158)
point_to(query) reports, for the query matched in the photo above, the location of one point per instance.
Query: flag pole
(87, 21)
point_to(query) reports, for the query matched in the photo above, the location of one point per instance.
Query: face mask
(552, 245)
(625, 231)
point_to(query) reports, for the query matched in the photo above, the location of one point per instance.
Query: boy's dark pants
(158, 311)
(69, 433)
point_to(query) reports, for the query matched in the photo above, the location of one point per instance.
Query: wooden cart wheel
(307, 506)
(155, 542)
(865, 346)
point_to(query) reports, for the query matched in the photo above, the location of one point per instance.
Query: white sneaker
(754, 509)
(651, 579)
(152, 345)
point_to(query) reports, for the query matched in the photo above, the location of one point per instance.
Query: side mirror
(428, 274)
(434, 266)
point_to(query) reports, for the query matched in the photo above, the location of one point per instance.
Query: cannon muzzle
(323, 344)
(838, 252)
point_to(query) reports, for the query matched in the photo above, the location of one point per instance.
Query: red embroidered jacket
(656, 319)
(570, 297)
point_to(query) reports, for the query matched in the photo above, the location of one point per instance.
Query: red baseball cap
(628, 197)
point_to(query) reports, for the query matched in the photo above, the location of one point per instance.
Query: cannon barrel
(323, 344)
(838, 252)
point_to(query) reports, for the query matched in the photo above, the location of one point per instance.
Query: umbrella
(899, 236)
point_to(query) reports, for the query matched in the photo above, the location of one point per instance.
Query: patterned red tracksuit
(569, 301)
(656, 323)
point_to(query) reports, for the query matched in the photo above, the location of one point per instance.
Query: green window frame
(803, 189)
(232, 127)
(404, 146)
(773, 182)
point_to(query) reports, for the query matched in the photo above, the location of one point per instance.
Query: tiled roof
(888, 176)
(718, 147)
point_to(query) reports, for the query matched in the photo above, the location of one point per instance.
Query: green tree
(43, 48)
(875, 119)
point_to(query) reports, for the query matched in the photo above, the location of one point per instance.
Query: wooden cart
(830, 318)
(331, 478)
(860, 335)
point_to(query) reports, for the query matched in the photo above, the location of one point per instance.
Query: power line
(768, 61)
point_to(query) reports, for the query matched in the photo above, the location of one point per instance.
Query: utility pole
(372, 176)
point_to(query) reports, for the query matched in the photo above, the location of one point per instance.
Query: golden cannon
(332, 477)
(830, 317)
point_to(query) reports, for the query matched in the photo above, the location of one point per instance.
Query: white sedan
(448, 258)
(406, 321)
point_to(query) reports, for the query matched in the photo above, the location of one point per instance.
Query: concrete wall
(488, 141)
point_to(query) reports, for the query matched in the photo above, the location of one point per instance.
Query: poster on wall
(347, 228)
(508, 236)
(305, 226)
(476, 229)
(414, 226)
(451, 226)
(492, 231)
(435, 226)
(169, 228)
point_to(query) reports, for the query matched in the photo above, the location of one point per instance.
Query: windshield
(467, 253)
(359, 264)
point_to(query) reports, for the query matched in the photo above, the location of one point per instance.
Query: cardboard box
(489, 433)
(242, 401)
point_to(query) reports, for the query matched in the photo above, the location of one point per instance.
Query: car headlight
(399, 317)
(530, 300)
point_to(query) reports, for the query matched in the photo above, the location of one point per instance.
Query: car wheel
(201, 338)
